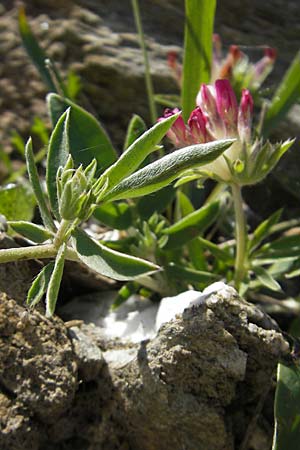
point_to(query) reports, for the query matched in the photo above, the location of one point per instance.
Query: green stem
(241, 236)
(148, 80)
(61, 234)
(34, 252)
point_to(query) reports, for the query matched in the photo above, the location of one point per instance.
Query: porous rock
(195, 384)
(37, 374)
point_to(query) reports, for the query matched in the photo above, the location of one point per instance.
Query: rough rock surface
(37, 375)
(195, 385)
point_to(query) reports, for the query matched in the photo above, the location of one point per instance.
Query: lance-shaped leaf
(87, 137)
(266, 279)
(35, 52)
(35, 233)
(287, 416)
(188, 275)
(199, 22)
(219, 253)
(132, 158)
(285, 247)
(191, 226)
(36, 186)
(108, 262)
(263, 230)
(135, 129)
(55, 280)
(287, 93)
(58, 153)
(165, 170)
(40, 284)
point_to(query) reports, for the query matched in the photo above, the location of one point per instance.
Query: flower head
(218, 116)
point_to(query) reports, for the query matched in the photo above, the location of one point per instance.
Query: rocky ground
(198, 383)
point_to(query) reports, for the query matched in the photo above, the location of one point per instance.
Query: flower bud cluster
(75, 191)
(234, 66)
(237, 67)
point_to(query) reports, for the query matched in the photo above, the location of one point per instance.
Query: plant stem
(34, 252)
(148, 80)
(61, 233)
(241, 236)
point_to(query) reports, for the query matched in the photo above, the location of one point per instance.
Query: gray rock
(194, 385)
(37, 374)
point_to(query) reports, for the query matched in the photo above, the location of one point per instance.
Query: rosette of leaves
(83, 172)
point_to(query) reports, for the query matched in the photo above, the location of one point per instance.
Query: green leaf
(87, 138)
(216, 251)
(199, 23)
(40, 284)
(132, 158)
(36, 186)
(263, 230)
(58, 153)
(108, 262)
(188, 275)
(287, 93)
(31, 231)
(165, 170)
(287, 414)
(266, 279)
(130, 288)
(184, 203)
(73, 86)
(191, 225)
(55, 280)
(37, 55)
(197, 255)
(284, 247)
(156, 202)
(114, 215)
(135, 129)
(17, 202)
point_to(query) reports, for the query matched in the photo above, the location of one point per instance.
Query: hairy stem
(241, 236)
(61, 234)
(34, 252)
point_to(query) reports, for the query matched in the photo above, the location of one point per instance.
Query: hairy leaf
(35, 233)
(108, 262)
(165, 170)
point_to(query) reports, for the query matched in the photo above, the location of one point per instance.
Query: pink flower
(178, 133)
(217, 116)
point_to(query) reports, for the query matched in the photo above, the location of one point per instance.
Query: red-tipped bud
(172, 59)
(227, 105)
(245, 116)
(264, 66)
(178, 133)
(197, 124)
(235, 53)
(270, 53)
